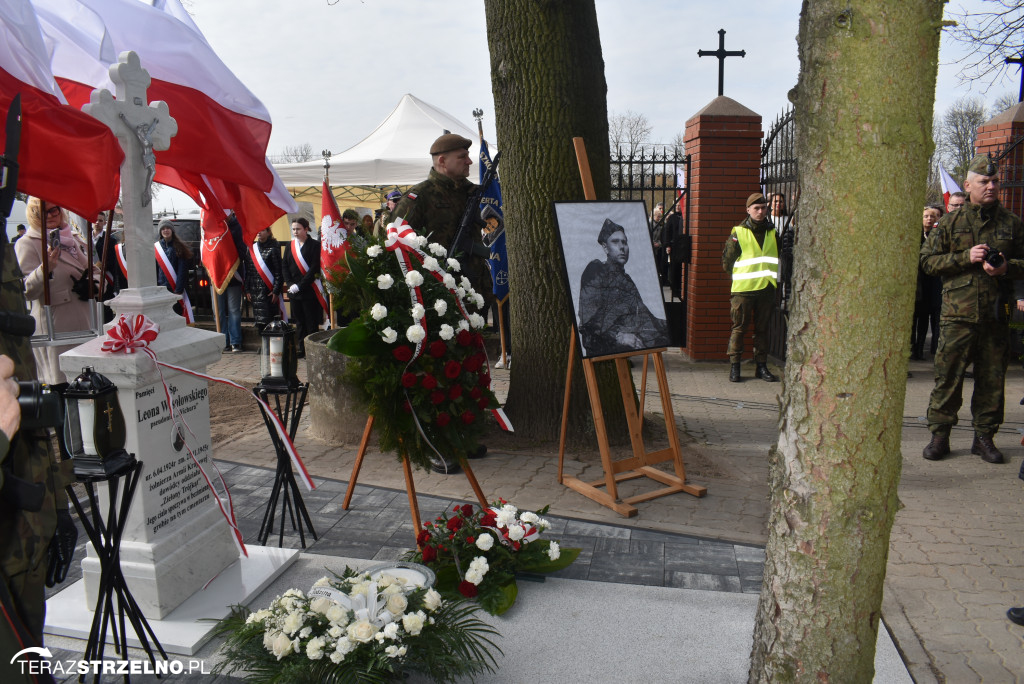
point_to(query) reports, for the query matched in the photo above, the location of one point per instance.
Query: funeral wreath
(357, 627)
(477, 553)
(416, 353)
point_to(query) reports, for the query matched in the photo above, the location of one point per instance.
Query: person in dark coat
(307, 311)
(265, 266)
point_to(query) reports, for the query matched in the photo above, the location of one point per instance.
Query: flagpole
(478, 114)
(332, 316)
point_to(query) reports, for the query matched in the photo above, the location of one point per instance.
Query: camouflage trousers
(987, 345)
(28, 591)
(757, 305)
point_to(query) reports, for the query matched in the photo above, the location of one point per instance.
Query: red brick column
(993, 136)
(724, 141)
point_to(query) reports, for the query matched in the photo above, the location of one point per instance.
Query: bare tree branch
(297, 153)
(628, 131)
(956, 131)
(992, 36)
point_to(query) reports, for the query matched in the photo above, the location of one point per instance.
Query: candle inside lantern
(86, 421)
(277, 357)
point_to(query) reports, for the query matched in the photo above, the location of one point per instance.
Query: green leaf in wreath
(447, 581)
(354, 340)
(544, 564)
(500, 599)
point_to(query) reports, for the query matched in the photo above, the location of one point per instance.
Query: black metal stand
(286, 490)
(105, 536)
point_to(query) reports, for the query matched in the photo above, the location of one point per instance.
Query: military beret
(449, 142)
(607, 229)
(756, 198)
(350, 214)
(982, 166)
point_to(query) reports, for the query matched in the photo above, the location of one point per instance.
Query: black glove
(62, 549)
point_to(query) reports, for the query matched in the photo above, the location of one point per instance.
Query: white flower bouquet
(357, 628)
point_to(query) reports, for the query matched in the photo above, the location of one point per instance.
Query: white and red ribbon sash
(122, 262)
(304, 268)
(165, 265)
(127, 336)
(267, 277)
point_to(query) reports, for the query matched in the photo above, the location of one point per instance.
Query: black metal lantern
(94, 429)
(278, 360)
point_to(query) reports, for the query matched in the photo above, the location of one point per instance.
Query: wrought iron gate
(661, 174)
(779, 177)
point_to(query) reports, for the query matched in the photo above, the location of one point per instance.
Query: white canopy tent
(396, 153)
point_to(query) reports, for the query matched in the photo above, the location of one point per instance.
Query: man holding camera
(977, 251)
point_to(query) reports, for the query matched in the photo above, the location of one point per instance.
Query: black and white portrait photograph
(609, 265)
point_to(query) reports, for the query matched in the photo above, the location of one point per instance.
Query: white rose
(385, 281)
(431, 600)
(454, 265)
(515, 532)
(362, 631)
(441, 307)
(321, 605)
(449, 281)
(418, 312)
(292, 623)
(282, 646)
(397, 603)
(335, 632)
(430, 263)
(315, 648)
(446, 332)
(476, 320)
(413, 278)
(553, 551)
(415, 334)
(389, 335)
(337, 615)
(378, 311)
(268, 639)
(413, 622)
(484, 542)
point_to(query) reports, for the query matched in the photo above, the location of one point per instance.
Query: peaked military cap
(607, 229)
(449, 142)
(982, 166)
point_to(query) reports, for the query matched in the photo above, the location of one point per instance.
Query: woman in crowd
(264, 282)
(928, 300)
(66, 275)
(179, 256)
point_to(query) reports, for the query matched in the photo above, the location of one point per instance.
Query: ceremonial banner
(66, 156)
(490, 211)
(333, 237)
(219, 254)
(949, 185)
(681, 185)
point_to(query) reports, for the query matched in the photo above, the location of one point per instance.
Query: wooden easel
(639, 464)
(410, 486)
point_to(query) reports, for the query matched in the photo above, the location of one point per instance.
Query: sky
(330, 73)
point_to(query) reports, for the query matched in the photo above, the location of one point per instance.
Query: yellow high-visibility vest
(757, 267)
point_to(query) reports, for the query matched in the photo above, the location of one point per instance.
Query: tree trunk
(547, 74)
(864, 118)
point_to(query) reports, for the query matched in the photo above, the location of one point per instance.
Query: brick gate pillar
(724, 141)
(993, 135)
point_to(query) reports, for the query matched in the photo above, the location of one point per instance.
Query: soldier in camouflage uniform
(25, 536)
(975, 300)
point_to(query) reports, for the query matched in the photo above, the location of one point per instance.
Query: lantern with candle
(94, 429)
(278, 361)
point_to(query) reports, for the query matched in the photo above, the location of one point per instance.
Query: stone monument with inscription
(176, 539)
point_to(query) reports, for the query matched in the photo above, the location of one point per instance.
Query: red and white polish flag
(66, 157)
(949, 185)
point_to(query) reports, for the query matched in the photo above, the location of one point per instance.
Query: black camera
(80, 286)
(41, 406)
(993, 258)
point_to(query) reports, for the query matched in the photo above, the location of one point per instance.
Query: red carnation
(443, 419)
(436, 397)
(483, 403)
(438, 349)
(464, 338)
(409, 380)
(470, 540)
(476, 393)
(455, 524)
(429, 554)
(478, 339)
(473, 363)
(452, 369)
(467, 589)
(467, 417)
(429, 382)
(423, 537)
(485, 380)
(466, 510)
(403, 353)
(490, 519)
(455, 392)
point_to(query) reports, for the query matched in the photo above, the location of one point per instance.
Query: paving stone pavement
(956, 558)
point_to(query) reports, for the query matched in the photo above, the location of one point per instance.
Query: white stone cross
(141, 128)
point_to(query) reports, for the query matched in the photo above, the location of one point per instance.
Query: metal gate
(779, 177)
(1011, 175)
(661, 174)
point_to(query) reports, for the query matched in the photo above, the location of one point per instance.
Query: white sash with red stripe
(304, 268)
(122, 262)
(165, 265)
(267, 277)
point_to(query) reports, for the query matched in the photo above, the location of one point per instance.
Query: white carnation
(373, 251)
(461, 292)
(413, 622)
(553, 551)
(431, 600)
(516, 532)
(418, 311)
(466, 285)
(315, 648)
(378, 311)
(484, 542)
(454, 265)
(506, 518)
(474, 576)
(463, 324)
(415, 334)
(441, 307)
(389, 335)
(446, 332)
(292, 623)
(437, 250)
(430, 263)
(529, 517)
(421, 241)
(337, 615)
(385, 281)
(395, 651)
(476, 320)
(449, 281)
(390, 630)
(478, 300)
(413, 278)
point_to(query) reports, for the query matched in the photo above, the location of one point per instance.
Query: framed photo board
(609, 268)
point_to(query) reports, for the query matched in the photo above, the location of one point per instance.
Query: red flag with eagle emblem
(333, 236)
(218, 251)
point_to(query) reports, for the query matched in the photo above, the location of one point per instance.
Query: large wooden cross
(721, 53)
(141, 129)
(1019, 61)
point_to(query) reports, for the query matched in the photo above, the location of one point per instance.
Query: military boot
(937, 448)
(984, 447)
(444, 466)
(765, 374)
(734, 372)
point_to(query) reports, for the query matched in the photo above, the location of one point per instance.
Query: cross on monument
(721, 53)
(141, 129)
(1019, 61)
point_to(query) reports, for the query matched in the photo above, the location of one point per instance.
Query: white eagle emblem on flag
(332, 235)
